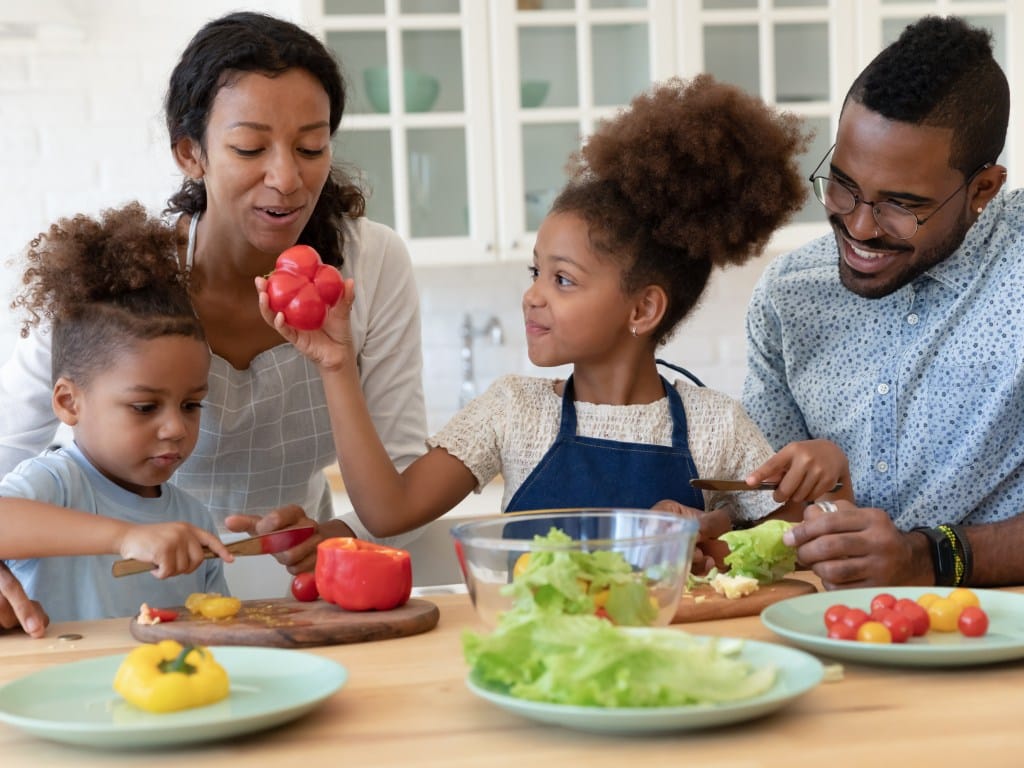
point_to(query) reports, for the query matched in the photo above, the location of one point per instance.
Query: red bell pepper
(359, 575)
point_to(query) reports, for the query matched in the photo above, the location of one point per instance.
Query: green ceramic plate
(798, 673)
(801, 620)
(74, 703)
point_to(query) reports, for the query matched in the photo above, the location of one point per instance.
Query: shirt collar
(961, 268)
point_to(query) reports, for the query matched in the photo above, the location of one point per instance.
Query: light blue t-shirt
(80, 588)
(923, 389)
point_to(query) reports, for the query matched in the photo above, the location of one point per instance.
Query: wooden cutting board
(704, 604)
(283, 623)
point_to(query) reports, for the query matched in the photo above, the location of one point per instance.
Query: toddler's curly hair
(104, 284)
(694, 174)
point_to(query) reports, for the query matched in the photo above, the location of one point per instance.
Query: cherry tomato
(842, 631)
(944, 614)
(304, 587)
(927, 599)
(973, 621)
(919, 621)
(855, 617)
(835, 614)
(964, 597)
(882, 601)
(874, 632)
(898, 624)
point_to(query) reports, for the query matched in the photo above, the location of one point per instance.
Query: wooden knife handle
(128, 567)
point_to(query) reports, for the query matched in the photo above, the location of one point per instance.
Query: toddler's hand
(173, 547)
(805, 471)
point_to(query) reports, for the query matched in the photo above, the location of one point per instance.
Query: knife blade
(707, 484)
(267, 544)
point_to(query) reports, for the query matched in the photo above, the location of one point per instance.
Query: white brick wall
(81, 129)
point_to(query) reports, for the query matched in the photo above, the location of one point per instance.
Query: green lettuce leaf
(758, 552)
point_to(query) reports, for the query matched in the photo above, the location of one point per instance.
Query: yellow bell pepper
(213, 605)
(167, 676)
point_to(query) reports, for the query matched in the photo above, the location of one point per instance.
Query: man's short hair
(941, 72)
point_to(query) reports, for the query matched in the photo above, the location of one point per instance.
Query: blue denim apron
(593, 472)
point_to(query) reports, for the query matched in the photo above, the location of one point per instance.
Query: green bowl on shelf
(533, 92)
(421, 90)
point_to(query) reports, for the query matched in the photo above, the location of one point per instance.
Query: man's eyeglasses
(892, 218)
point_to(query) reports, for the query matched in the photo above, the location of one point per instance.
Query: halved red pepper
(359, 575)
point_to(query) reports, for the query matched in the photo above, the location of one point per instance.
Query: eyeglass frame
(857, 199)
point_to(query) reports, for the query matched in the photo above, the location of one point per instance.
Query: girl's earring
(633, 330)
(980, 209)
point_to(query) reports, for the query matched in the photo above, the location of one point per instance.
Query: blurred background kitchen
(461, 116)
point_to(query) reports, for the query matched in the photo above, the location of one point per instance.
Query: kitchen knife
(267, 544)
(706, 484)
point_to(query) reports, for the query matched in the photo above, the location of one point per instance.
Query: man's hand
(859, 547)
(16, 609)
(302, 557)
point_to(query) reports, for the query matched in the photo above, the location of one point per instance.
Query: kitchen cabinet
(493, 95)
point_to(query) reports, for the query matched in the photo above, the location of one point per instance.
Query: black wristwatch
(944, 557)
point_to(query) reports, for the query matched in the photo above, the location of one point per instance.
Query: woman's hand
(16, 609)
(174, 548)
(708, 552)
(330, 347)
(302, 557)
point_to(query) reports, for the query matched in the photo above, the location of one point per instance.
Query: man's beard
(869, 288)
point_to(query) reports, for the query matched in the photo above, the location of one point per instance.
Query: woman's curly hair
(694, 174)
(105, 284)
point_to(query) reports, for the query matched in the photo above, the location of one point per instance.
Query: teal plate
(75, 703)
(802, 621)
(798, 672)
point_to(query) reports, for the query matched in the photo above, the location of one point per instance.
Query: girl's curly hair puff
(694, 174)
(105, 284)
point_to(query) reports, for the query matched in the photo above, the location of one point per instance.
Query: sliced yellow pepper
(167, 676)
(213, 605)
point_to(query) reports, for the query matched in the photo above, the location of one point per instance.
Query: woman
(251, 108)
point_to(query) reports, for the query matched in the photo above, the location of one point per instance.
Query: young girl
(130, 364)
(694, 175)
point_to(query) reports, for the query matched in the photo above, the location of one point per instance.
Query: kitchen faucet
(491, 330)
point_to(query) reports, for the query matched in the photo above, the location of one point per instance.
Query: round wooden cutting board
(704, 604)
(283, 623)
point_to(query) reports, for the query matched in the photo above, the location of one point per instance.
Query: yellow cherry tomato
(943, 615)
(874, 632)
(927, 599)
(521, 562)
(964, 597)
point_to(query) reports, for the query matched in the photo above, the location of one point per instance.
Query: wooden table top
(406, 703)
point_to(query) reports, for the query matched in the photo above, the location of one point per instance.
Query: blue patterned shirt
(921, 388)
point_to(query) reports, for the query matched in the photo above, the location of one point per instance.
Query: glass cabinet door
(563, 65)
(407, 129)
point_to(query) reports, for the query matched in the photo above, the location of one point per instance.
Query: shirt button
(883, 389)
(913, 319)
(882, 466)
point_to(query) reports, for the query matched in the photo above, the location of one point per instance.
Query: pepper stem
(178, 664)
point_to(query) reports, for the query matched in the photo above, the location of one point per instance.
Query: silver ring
(827, 507)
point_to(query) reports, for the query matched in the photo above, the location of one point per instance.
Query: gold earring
(633, 330)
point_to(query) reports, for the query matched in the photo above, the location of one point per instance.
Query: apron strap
(681, 370)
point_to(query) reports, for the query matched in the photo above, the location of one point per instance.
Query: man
(900, 336)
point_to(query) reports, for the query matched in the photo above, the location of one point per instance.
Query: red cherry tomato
(973, 622)
(883, 600)
(854, 618)
(842, 631)
(304, 587)
(835, 614)
(917, 613)
(898, 623)
(302, 288)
